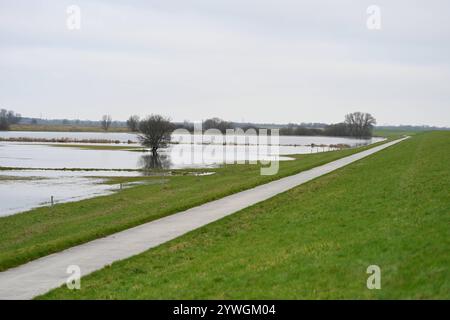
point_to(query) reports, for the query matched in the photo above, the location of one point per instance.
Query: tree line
(154, 131)
(356, 124)
(7, 118)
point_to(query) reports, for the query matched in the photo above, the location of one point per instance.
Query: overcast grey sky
(254, 60)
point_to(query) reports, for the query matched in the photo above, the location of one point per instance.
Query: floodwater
(21, 190)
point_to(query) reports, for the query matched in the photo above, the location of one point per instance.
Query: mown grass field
(315, 241)
(42, 231)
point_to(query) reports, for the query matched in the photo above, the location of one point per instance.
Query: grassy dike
(42, 231)
(315, 241)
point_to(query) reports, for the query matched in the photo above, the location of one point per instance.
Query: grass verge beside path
(315, 241)
(42, 231)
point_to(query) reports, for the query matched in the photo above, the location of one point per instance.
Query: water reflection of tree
(154, 161)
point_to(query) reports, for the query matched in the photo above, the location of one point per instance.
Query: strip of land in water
(312, 242)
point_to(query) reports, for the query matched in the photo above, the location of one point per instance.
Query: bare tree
(360, 124)
(106, 122)
(133, 123)
(155, 132)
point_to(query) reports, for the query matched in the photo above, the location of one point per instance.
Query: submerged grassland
(315, 241)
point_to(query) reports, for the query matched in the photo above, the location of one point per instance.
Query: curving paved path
(44, 274)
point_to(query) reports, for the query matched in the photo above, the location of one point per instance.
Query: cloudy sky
(272, 61)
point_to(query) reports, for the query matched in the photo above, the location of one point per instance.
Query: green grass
(315, 241)
(30, 235)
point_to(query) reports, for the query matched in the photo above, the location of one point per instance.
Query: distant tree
(34, 121)
(133, 123)
(8, 118)
(360, 124)
(155, 132)
(65, 122)
(106, 122)
(217, 123)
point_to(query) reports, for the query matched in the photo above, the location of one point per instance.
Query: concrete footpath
(44, 274)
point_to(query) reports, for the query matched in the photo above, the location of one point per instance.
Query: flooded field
(34, 155)
(21, 190)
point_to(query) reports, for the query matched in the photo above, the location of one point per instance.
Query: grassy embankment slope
(39, 232)
(64, 128)
(314, 241)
